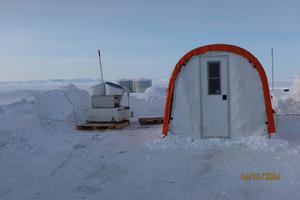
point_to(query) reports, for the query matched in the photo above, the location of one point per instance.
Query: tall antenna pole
(272, 54)
(99, 54)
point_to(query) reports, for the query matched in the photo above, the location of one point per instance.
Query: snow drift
(50, 105)
(150, 103)
(290, 103)
(23, 124)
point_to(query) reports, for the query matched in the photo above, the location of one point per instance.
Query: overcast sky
(59, 39)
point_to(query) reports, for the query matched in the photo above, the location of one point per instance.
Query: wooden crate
(150, 120)
(90, 126)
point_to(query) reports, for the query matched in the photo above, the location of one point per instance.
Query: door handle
(224, 97)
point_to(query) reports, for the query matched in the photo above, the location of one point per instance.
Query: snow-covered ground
(42, 156)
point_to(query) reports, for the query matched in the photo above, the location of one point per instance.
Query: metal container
(127, 84)
(106, 88)
(98, 89)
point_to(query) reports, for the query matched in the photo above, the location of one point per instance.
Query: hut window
(214, 80)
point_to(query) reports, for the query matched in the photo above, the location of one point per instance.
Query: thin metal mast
(99, 53)
(272, 54)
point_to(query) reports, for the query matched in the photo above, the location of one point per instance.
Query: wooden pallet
(90, 126)
(150, 120)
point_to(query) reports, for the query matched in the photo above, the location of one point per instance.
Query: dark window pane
(214, 86)
(213, 70)
(214, 82)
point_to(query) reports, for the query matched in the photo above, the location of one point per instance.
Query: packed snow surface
(42, 156)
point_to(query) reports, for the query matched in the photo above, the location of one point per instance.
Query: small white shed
(218, 90)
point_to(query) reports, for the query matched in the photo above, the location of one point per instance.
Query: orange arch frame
(226, 48)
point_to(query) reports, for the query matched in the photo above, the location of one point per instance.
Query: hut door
(214, 96)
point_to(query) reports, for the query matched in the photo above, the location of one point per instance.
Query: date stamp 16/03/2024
(268, 176)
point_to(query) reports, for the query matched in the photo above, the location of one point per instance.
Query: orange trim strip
(231, 49)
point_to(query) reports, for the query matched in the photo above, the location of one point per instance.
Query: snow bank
(290, 103)
(150, 103)
(11, 96)
(50, 105)
(295, 89)
(156, 92)
(55, 105)
(23, 124)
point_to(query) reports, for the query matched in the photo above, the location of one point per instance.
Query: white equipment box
(108, 114)
(106, 104)
(103, 101)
